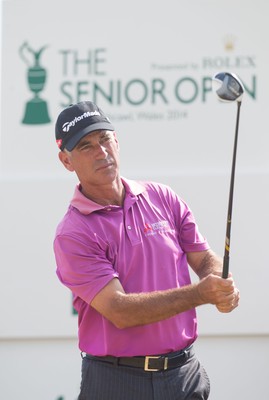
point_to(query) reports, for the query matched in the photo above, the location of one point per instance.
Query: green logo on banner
(36, 109)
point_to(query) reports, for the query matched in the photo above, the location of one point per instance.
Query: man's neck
(111, 194)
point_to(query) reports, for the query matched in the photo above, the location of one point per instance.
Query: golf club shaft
(226, 258)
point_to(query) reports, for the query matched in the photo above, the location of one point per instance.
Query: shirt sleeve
(190, 237)
(83, 268)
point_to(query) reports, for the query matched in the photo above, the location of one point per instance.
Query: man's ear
(65, 160)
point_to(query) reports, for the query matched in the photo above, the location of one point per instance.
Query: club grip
(225, 268)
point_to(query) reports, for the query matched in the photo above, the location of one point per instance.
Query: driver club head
(228, 87)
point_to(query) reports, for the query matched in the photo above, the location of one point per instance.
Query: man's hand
(220, 292)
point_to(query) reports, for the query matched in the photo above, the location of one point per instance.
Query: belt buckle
(147, 360)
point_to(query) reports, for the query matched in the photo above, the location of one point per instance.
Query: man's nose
(100, 151)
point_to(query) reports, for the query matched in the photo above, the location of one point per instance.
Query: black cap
(79, 120)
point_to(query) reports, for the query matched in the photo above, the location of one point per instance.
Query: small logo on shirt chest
(154, 228)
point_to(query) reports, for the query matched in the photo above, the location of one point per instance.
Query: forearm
(210, 263)
(144, 308)
(133, 309)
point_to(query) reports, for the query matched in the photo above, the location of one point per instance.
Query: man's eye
(85, 147)
(105, 139)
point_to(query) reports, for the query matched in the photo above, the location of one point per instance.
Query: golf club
(229, 88)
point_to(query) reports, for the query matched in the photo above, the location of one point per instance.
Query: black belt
(149, 363)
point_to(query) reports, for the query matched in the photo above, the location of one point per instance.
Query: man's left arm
(204, 263)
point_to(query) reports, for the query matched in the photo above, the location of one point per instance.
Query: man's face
(95, 159)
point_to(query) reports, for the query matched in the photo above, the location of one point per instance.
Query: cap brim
(73, 141)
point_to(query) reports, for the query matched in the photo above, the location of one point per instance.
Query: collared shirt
(144, 245)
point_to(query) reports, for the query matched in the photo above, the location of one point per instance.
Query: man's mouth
(104, 166)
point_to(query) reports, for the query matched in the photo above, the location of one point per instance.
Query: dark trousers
(104, 381)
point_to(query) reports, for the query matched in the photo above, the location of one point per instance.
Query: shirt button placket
(131, 234)
(130, 227)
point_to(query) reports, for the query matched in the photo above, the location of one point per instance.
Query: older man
(123, 249)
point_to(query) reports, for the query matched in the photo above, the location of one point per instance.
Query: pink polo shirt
(144, 245)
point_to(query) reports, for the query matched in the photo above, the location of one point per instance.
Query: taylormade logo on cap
(78, 120)
(67, 125)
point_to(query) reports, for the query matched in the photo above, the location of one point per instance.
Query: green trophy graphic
(36, 110)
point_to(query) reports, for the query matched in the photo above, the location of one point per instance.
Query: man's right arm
(133, 309)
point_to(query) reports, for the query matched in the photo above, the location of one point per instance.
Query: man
(123, 248)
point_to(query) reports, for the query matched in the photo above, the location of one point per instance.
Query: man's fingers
(230, 303)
